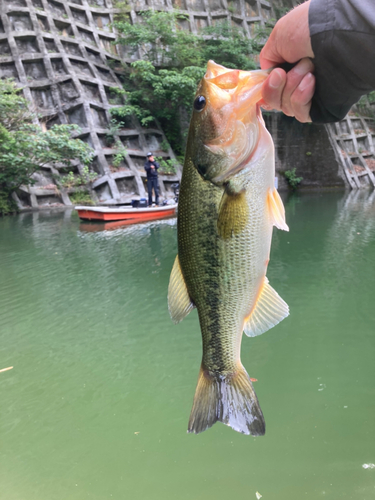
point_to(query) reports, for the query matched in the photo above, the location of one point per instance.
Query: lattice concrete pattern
(61, 53)
(353, 140)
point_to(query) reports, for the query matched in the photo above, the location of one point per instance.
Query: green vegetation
(116, 95)
(120, 155)
(25, 148)
(72, 180)
(366, 105)
(112, 137)
(292, 179)
(167, 166)
(164, 145)
(173, 62)
(81, 197)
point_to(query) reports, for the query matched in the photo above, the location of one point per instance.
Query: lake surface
(97, 404)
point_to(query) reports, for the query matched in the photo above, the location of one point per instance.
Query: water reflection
(155, 244)
(92, 227)
(349, 257)
(99, 397)
(355, 217)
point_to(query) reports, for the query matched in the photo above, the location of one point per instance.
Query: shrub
(81, 197)
(25, 148)
(292, 179)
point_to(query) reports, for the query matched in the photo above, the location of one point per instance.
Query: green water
(97, 404)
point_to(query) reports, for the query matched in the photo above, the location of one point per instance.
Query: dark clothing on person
(152, 180)
(151, 172)
(153, 183)
(343, 41)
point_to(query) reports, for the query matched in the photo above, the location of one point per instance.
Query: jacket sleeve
(343, 41)
(147, 166)
(156, 165)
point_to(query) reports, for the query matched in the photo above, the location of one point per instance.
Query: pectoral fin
(233, 215)
(269, 310)
(179, 301)
(277, 210)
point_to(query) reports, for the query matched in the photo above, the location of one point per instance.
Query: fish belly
(223, 277)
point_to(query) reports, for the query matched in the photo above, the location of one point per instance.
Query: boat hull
(133, 215)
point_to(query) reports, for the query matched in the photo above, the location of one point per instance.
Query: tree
(229, 46)
(159, 94)
(173, 61)
(161, 39)
(25, 148)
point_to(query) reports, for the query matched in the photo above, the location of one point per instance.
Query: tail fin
(230, 399)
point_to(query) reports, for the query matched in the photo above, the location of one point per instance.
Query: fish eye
(199, 103)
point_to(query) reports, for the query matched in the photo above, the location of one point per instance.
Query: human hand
(290, 42)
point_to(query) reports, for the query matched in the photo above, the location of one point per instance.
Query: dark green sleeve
(343, 41)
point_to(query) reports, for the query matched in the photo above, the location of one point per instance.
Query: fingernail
(274, 79)
(303, 66)
(306, 82)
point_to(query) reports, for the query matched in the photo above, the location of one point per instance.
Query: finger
(293, 79)
(301, 98)
(265, 106)
(273, 87)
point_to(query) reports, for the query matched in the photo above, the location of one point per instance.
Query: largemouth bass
(227, 208)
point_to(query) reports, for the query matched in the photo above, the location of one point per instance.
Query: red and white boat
(132, 215)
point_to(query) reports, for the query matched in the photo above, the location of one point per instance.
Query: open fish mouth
(241, 88)
(239, 91)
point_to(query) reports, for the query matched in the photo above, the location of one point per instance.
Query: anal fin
(179, 301)
(277, 210)
(269, 310)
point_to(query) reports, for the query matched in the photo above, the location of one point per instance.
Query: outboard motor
(176, 190)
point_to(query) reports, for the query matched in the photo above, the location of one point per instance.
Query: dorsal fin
(269, 310)
(179, 301)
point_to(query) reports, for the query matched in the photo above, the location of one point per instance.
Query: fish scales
(209, 269)
(227, 209)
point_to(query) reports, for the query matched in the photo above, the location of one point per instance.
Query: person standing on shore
(151, 167)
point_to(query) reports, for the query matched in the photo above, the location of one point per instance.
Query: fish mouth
(215, 70)
(236, 93)
(241, 88)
